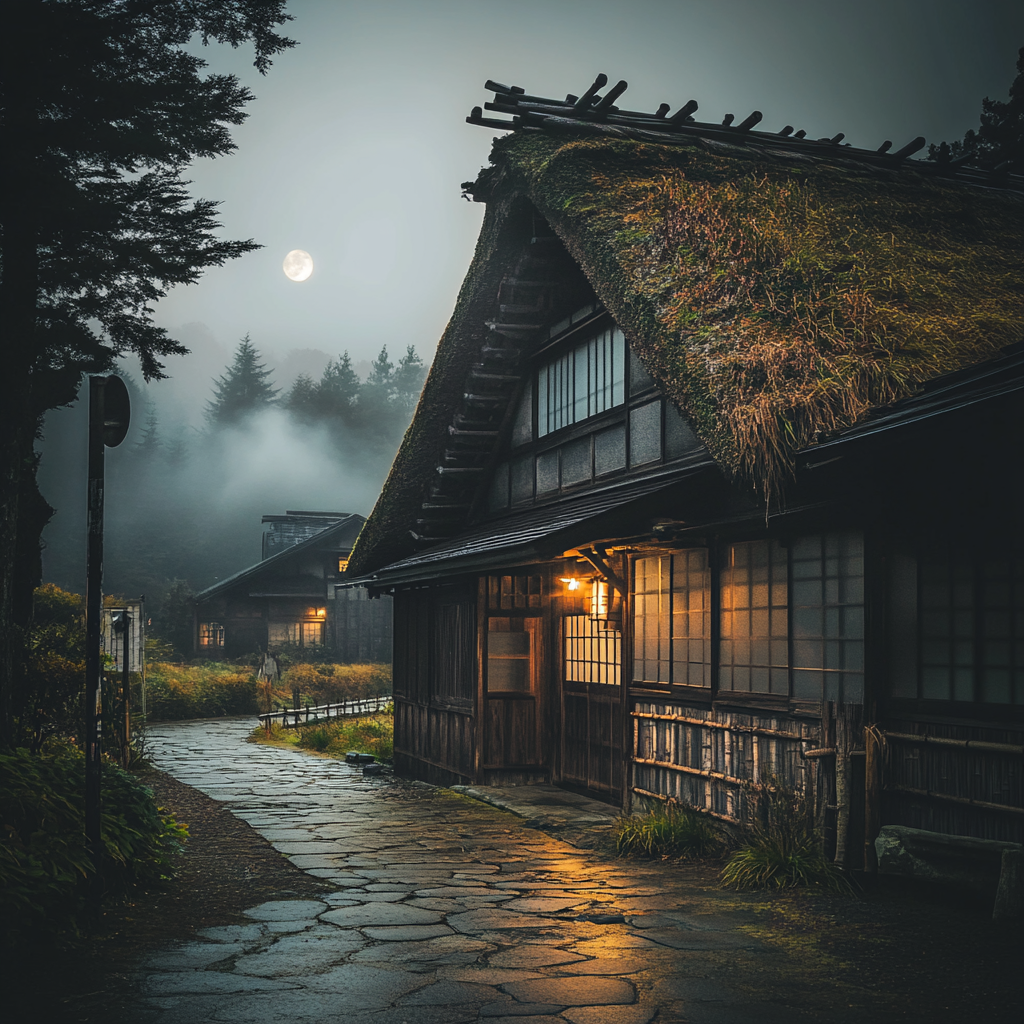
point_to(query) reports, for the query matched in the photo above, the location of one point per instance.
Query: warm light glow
(298, 265)
(342, 564)
(599, 600)
(321, 613)
(571, 583)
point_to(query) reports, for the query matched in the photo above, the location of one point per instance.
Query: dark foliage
(48, 698)
(45, 865)
(244, 389)
(999, 141)
(101, 109)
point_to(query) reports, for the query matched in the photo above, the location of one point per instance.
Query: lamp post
(109, 416)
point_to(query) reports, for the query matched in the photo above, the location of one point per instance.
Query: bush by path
(368, 734)
(45, 865)
(205, 690)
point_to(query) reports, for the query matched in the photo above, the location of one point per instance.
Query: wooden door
(513, 676)
(591, 673)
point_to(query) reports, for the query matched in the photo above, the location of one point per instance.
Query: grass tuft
(666, 832)
(784, 848)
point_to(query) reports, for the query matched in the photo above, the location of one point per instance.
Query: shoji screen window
(672, 622)
(754, 646)
(828, 617)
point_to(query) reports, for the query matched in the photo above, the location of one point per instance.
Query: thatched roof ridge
(775, 297)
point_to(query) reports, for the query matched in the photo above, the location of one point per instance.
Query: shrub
(332, 684)
(45, 864)
(784, 848)
(49, 690)
(666, 832)
(369, 734)
(205, 690)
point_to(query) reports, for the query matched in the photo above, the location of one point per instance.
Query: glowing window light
(599, 599)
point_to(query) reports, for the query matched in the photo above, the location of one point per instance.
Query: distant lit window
(342, 564)
(283, 632)
(211, 634)
(312, 634)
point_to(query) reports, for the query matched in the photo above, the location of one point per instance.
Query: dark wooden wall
(435, 683)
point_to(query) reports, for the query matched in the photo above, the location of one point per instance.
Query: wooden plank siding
(434, 683)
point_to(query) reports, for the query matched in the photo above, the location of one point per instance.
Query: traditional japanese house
(294, 598)
(717, 477)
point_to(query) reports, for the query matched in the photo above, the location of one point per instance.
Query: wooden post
(93, 616)
(872, 796)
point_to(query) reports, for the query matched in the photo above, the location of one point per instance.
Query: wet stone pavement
(442, 909)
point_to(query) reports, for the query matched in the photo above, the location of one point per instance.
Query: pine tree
(301, 400)
(999, 141)
(339, 387)
(149, 444)
(408, 381)
(244, 389)
(103, 105)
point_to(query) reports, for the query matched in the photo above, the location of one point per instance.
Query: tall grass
(666, 832)
(368, 734)
(332, 684)
(204, 690)
(783, 848)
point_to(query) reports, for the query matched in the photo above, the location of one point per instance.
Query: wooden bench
(977, 864)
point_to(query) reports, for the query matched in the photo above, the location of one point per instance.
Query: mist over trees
(184, 500)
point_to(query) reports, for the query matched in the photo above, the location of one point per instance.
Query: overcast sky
(356, 144)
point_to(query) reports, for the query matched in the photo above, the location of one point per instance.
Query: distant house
(716, 479)
(293, 599)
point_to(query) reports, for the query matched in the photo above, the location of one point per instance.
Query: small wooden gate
(591, 668)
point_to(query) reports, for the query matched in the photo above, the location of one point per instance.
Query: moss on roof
(776, 298)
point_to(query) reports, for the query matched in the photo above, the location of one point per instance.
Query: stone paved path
(446, 910)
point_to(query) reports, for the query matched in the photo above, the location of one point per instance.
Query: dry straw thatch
(777, 298)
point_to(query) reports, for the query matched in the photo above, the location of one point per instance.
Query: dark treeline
(183, 502)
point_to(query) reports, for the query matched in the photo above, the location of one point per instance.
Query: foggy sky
(356, 144)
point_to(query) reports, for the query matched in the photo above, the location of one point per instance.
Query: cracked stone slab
(286, 910)
(486, 919)
(380, 914)
(194, 956)
(450, 993)
(572, 991)
(517, 1011)
(531, 956)
(610, 1014)
(407, 932)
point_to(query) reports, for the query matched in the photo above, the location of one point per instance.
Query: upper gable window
(584, 381)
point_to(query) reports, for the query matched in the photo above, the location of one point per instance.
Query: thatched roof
(775, 296)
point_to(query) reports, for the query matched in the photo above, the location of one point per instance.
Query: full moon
(298, 265)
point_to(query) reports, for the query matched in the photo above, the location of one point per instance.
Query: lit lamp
(571, 583)
(599, 599)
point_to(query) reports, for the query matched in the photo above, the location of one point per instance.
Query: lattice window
(509, 593)
(827, 591)
(283, 632)
(592, 654)
(312, 634)
(510, 654)
(754, 647)
(583, 382)
(211, 634)
(672, 634)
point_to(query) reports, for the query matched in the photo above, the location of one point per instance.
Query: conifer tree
(103, 104)
(999, 141)
(408, 380)
(339, 388)
(301, 399)
(245, 388)
(149, 444)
